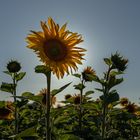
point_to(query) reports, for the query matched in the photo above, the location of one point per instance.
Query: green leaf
(20, 76)
(7, 72)
(108, 61)
(93, 78)
(42, 69)
(113, 82)
(2, 104)
(101, 90)
(31, 96)
(27, 94)
(89, 93)
(77, 75)
(7, 87)
(111, 97)
(114, 73)
(27, 132)
(79, 86)
(56, 91)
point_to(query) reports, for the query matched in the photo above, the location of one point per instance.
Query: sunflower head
(87, 71)
(68, 96)
(119, 62)
(76, 99)
(6, 114)
(43, 93)
(131, 108)
(13, 66)
(56, 47)
(124, 101)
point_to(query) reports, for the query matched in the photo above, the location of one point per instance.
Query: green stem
(15, 101)
(105, 106)
(48, 105)
(80, 112)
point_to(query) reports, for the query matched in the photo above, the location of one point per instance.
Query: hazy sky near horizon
(107, 26)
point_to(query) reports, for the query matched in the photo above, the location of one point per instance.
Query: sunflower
(87, 71)
(76, 99)
(131, 108)
(43, 93)
(6, 113)
(56, 47)
(124, 101)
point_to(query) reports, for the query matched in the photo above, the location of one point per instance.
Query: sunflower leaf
(27, 132)
(7, 87)
(42, 69)
(31, 96)
(79, 86)
(56, 91)
(108, 61)
(7, 72)
(89, 93)
(2, 104)
(20, 76)
(77, 75)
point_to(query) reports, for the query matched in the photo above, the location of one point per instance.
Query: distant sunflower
(6, 113)
(124, 101)
(43, 93)
(56, 47)
(131, 108)
(87, 71)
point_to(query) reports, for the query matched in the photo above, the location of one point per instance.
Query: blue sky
(107, 26)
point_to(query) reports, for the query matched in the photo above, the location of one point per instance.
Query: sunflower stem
(15, 101)
(48, 105)
(80, 112)
(105, 106)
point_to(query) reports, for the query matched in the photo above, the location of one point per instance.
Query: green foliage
(7, 87)
(87, 119)
(56, 91)
(20, 76)
(42, 69)
(108, 61)
(79, 86)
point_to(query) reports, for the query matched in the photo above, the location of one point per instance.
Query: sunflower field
(39, 116)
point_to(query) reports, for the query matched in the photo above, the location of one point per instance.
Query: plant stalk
(48, 105)
(105, 106)
(80, 111)
(15, 101)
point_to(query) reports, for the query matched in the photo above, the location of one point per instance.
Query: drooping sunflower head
(57, 47)
(87, 71)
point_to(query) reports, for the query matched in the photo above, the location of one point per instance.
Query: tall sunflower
(56, 47)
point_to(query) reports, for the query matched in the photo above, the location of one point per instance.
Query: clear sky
(107, 26)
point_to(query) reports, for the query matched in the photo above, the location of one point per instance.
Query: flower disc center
(55, 50)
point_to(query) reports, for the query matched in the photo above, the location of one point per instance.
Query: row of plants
(39, 116)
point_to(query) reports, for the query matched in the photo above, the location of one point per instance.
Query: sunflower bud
(119, 62)
(13, 66)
